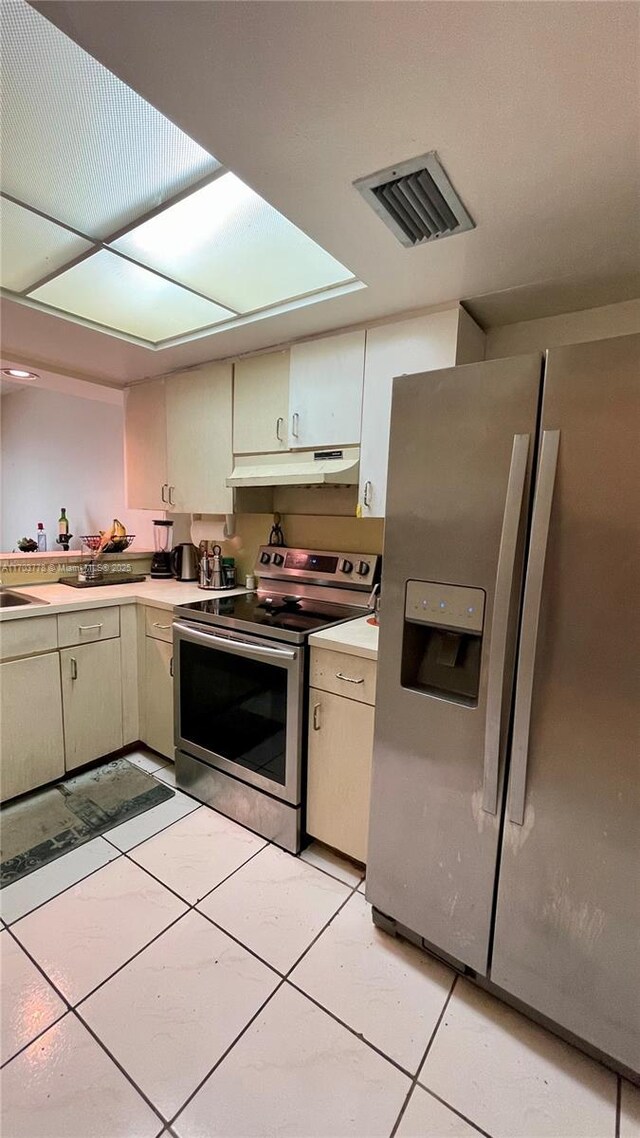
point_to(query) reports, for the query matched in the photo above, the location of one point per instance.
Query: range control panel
(318, 565)
(457, 607)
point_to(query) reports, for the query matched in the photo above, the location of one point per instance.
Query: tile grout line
(358, 1035)
(35, 1039)
(454, 1110)
(280, 985)
(222, 1057)
(425, 1088)
(162, 829)
(191, 908)
(119, 853)
(66, 888)
(284, 978)
(414, 1078)
(118, 1064)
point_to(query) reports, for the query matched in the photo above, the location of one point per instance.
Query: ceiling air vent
(416, 200)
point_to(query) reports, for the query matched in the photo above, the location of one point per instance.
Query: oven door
(238, 705)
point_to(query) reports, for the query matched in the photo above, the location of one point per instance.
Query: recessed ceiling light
(17, 373)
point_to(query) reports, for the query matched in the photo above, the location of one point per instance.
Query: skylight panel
(226, 241)
(108, 290)
(31, 247)
(77, 143)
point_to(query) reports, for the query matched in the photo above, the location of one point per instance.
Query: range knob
(346, 566)
(278, 559)
(265, 558)
(363, 568)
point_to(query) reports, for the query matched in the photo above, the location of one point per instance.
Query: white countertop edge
(155, 593)
(354, 637)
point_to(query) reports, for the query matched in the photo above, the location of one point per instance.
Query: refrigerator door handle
(542, 504)
(500, 619)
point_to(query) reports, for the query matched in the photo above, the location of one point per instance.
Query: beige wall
(569, 328)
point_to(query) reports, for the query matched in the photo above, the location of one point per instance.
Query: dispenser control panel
(452, 606)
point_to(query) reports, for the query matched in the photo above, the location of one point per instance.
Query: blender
(162, 542)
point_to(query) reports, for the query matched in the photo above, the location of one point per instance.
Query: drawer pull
(74, 668)
(164, 627)
(316, 717)
(88, 627)
(279, 424)
(349, 679)
(171, 667)
(295, 422)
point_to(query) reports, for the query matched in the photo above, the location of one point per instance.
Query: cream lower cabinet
(91, 700)
(339, 761)
(31, 740)
(156, 712)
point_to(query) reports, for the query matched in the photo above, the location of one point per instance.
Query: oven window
(235, 707)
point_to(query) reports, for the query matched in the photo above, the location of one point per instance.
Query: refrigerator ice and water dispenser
(442, 640)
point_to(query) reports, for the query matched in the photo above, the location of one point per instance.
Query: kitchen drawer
(88, 625)
(27, 636)
(158, 623)
(346, 675)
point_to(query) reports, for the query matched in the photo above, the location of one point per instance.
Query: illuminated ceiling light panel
(31, 247)
(226, 241)
(77, 143)
(106, 289)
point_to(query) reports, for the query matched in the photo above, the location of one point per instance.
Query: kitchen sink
(10, 599)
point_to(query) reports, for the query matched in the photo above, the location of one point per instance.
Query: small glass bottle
(42, 538)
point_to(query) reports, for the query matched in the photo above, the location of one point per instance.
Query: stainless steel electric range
(240, 667)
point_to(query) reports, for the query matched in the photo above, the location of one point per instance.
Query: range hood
(297, 468)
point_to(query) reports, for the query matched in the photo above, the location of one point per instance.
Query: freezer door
(568, 912)
(462, 443)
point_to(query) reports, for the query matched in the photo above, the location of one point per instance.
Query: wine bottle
(63, 522)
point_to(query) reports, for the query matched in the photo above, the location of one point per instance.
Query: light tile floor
(181, 977)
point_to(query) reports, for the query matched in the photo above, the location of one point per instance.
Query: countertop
(64, 598)
(355, 637)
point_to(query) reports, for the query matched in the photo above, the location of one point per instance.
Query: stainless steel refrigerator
(505, 808)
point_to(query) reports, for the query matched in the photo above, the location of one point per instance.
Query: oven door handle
(238, 647)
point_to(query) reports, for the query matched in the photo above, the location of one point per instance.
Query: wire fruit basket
(117, 545)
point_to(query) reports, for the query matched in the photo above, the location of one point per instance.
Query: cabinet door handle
(316, 717)
(295, 421)
(279, 422)
(349, 679)
(164, 627)
(367, 493)
(88, 627)
(170, 490)
(74, 668)
(171, 666)
(164, 490)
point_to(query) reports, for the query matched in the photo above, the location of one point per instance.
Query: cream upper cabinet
(145, 446)
(31, 742)
(423, 343)
(325, 392)
(261, 404)
(199, 451)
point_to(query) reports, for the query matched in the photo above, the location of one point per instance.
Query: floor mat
(50, 822)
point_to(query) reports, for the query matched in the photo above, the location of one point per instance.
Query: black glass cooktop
(283, 617)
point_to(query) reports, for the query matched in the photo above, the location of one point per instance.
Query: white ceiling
(532, 107)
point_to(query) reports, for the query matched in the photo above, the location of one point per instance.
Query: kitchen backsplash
(354, 535)
(357, 535)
